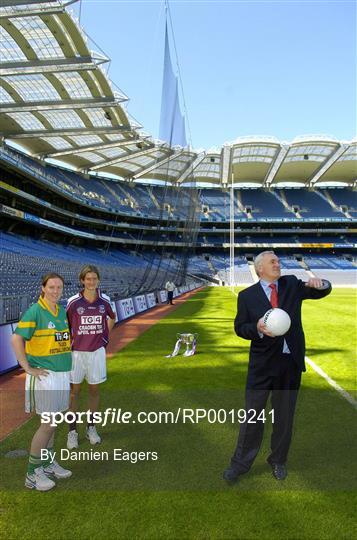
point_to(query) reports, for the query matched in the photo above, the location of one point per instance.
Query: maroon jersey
(88, 321)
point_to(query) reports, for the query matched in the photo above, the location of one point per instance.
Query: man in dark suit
(275, 363)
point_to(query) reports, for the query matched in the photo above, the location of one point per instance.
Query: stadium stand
(148, 201)
(85, 185)
(23, 261)
(242, 272)
(215, 205)
(311, 204)
(263, 204)
(343, 197)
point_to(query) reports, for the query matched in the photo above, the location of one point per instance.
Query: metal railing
(12, 307)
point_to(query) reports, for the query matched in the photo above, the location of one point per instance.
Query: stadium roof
(58, 105)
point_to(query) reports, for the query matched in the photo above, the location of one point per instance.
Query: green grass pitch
(182, 495)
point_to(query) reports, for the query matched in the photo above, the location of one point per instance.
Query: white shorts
(91, 366)
(47, 394)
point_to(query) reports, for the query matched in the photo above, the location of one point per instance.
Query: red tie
(274, 295)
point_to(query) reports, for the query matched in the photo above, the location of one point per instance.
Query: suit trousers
(284, 387)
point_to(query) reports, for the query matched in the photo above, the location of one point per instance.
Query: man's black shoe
(280, 471)
(230, 476)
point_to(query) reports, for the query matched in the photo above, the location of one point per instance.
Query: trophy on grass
(190, 340)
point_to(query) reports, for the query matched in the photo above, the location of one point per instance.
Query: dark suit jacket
(252, 305)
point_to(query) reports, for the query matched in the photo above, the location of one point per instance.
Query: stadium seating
(288, 263)
(344, 197)
(217, 204)
(329, 262)
(311, 204)
(167, 201)
(242, 273)
(345, 278)
(24, 261)
(263, 204)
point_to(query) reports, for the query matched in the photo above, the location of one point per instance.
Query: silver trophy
(187, 338)
(190, 340)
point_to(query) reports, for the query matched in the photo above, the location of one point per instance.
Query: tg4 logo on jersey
(61, 336)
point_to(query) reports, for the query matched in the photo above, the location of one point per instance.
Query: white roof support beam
(11, 3)
(275, 166)
(88, 148)
(64, 104)
(53, 10)
(226, 164)
(191, 168)
(127, 157)
(157, 164)
(66, 132)
(30, 13)
(31, 67)
(328, 164)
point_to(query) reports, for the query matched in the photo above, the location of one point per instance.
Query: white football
(277, 321)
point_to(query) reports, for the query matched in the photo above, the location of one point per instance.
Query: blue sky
(281, 68)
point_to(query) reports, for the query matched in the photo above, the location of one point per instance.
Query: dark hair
(50, 275)
(86, 269)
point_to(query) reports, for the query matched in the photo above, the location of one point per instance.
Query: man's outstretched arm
(316, 288)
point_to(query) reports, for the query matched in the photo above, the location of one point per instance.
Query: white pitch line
(333, 383)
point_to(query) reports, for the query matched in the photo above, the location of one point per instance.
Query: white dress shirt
(268, 291)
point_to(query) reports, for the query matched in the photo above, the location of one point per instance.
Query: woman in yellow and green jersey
(42, 346)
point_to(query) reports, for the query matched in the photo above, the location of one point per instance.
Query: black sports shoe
(230, 476)
(280, 471)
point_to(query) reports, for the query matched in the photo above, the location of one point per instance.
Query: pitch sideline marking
(327, 378)
(332, 383)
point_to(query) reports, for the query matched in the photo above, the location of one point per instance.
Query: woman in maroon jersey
(90, 318)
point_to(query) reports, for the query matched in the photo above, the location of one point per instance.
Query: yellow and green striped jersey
(47, 337)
